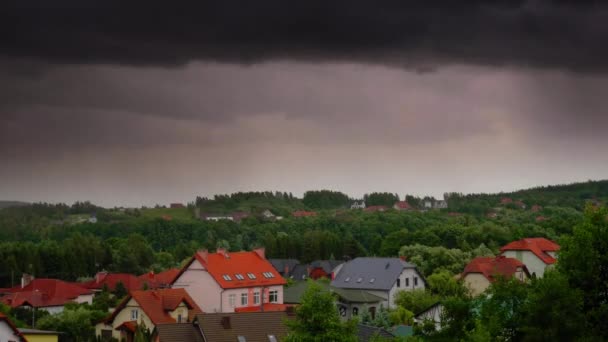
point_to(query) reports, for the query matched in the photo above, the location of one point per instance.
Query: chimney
(100, 276)
(308, 270)
(226, 322)
(204, 254)
(261, 252)
(222, 251)
(26, 279)
(286, 271)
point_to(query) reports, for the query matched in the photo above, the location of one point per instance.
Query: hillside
(10, 204)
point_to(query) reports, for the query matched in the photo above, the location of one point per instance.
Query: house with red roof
(150, 308)
(536, 253)
(402, 205)
(374, 208)
(8, 330)
(223, 281)
(159, 280)
(46, 294)
(103, 278)
(482, 271)
(303, 213)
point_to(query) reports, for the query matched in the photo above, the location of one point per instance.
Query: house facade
(431, 314)
(482, 271)
(402, 205)
(537, 254)
(223, 281)
(383, 277)
(358, 205)
(8, 330)
(149, 308)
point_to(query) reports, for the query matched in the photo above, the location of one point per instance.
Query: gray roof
(370, 273)
(366, 332)
(300, 272)
(179, 332)
(253, 326)
(279, 264)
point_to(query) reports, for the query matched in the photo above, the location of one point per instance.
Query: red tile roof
(12, 326)
(222, 265)
(402, 205)
(267, 308)
(159, 280)
(157, 304)
(491, 267)
(130, 281)
(128, 325)
(376, 208)
(43, 293)
(302, 213)
(538, 246)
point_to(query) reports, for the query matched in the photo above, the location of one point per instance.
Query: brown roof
(179, 332)
(254, 326)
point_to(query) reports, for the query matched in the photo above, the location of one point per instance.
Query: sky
(128, 105)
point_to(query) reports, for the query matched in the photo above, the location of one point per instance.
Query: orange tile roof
(538, 246)
(130, 281)
(403, 205)
(491, 267)
(226, 268)
(159, 280)
(157, 304)
(43, 293)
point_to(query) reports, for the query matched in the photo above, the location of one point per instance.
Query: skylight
(268, 274)
(359, 280)
(239, 276)
(347, 279)
(372, 280)
(251, 275)
(226, 277)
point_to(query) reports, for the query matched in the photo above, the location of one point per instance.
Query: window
(179, 318)
(134, 314)
(347, 279)
(398, 282)
(251, 275)
(272, 338)
(226, 277)
(359, 280)
(232, 300)
(268, 274)
(256, 297)
(239, 276)
(407, 282)
(273, 296)
(355, 311)
(415, 281)
(372, 280)
(244, 299)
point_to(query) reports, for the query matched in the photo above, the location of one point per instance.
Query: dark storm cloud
(419, 34)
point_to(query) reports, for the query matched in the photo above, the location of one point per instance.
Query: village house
(317, 269)
(440, 204)
(537, 254)
(228, 327)
(358, 205)
(159, 280)
(433, 314)
(285, 267)
(110, 280)
(382, 277)
(375, 208)
(176, 206)
(223, 281)
(482, 271)
(46, 294)
(8, 330)
(35, 335)
(403, 206)
(149, 308)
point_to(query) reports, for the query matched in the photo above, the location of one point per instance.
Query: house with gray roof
(285, 267)
(383, 277)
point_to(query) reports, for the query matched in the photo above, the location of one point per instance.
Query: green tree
(120, 291)
(317, 319)
(502, 309)
(415, 300)
(443, 284)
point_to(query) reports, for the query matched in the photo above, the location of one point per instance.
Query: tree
(415, 300)
(317, 319)
(443, 284)
(75, 321)
(502, 309)
(583, 260)
(120, 291)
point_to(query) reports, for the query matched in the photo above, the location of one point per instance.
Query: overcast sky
(137, 106)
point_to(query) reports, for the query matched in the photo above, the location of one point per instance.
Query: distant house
(303, 213)
(8, 330)
(383, 277)
(433, 314)
(150, 308)
(239, 215)
(358, 205)
(267, 214)
(317, 269)
(482, 271)
(402, 205)
(375, 208)
(536, 253)
(46, 294)
(159, 280)
(506, 200)
(536, 208)
(176, 206)
(222, 281)
(228, 327)
(216, 217)
(440, 204)
(35, 335)
(285, 267)
(520, 204)
(92, 218)
(428, 204)
(110, 280)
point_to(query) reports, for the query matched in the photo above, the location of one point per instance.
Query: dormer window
(372, 280)
(251, 275)
(359, 280)
(268, 274)
(226, 277)
(239, 276)
(347, 279)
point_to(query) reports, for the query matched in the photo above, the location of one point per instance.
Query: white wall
(6, 333)
(201, 286)
(477, 283)
(408, 273)
(532, 262)
(225, 307)
(125, 316)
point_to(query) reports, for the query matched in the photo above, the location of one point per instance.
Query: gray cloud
(423, 35)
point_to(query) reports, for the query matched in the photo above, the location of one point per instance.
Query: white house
(383, 277)
(225, 282)
(8, 331)
(433, 314)
(537, 254)
(358, 205)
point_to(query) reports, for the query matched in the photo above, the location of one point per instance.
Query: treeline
(326, 199)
